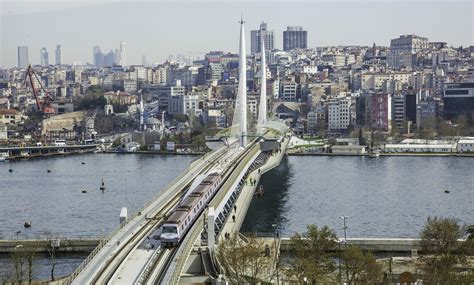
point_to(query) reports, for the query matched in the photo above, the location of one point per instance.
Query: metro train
(184, 215)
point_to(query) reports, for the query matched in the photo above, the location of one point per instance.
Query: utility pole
(345, 243)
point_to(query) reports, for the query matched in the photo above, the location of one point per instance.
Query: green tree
(439, 241)
(311, 257)
(244, 261)
(361, 268)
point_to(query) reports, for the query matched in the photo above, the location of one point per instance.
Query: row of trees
(444, 259)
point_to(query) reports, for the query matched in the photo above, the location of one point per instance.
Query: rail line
(193, 233)
(106, 273)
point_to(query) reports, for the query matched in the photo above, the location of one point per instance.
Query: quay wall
(65, 245)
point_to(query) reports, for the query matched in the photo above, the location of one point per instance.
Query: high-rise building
(97, 56)
(458, 100)
(403, 50)
(295, 37)
(23, 56)
(256, 35)
(123, 54)
(58, 55)
(44, 57)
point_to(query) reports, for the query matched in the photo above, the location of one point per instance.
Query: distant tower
(142, 114)
(97, 57)
(123, 54)
(256, 37)
(58, 55)
(44, 57)
(262, 110)
(242, 93)
(295, 37)
(23, 56)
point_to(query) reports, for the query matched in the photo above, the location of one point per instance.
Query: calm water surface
(54, 202)
(383, 197)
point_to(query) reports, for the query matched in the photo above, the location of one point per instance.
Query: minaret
(262, 110)
(242, 94)
(142, 111)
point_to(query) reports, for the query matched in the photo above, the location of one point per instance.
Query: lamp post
(344, 227)
(275, 236)
(345, 244)
(17, 233)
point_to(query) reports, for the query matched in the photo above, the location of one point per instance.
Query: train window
(169, 230)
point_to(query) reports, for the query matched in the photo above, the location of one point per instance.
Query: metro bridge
(133, 253)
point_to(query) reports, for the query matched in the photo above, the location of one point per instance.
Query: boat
(259, 191)
(27, 224)
(102, 187)
(3, 156)
(84, 191)
(374, 153)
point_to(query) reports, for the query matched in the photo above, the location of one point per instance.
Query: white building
(288, 91)
(466, 144)
(403, 49)
(376, 80)
(339, 113)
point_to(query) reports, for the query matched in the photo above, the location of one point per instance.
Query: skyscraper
(58, 55)
(256, 35)
(23, 56)
(44, 57)
(97, 56)
(295, 37)
(123, 54)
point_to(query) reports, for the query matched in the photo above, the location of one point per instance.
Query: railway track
(170, 274)
(106, 273)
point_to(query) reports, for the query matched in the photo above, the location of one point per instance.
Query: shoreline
(387, 154)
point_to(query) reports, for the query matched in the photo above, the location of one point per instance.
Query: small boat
(259, 191)
(84, 191)
(102, 187)
(446, 191)
(10, 170)
(374, 153)
(27, 224)
(83, 163)
(3, 159)
(49, 170)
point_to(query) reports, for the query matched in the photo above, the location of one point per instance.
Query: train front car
(169, 235)
(188, 210)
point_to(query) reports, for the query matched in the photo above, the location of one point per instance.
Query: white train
(184, 215)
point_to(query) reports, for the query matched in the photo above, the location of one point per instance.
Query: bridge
(18, 152)
(133, 253)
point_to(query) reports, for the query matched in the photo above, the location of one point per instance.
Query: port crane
(42, 104)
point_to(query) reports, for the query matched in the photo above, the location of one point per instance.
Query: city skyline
(339, 23)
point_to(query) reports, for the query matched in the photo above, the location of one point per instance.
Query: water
(55, 204)
(42, 264)
(383, 197)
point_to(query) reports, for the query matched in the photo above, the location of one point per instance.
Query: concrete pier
(42, 245)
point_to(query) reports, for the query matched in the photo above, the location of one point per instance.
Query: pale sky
(157, 29)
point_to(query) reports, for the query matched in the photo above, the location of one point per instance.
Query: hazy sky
(157, 29)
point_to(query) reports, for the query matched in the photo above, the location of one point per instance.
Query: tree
(361, 268)
(439, 239)
(311, 257)
(245, 262)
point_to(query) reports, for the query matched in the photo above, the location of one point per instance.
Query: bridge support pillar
(211, 238)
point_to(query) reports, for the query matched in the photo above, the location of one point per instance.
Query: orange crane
(42, 104)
